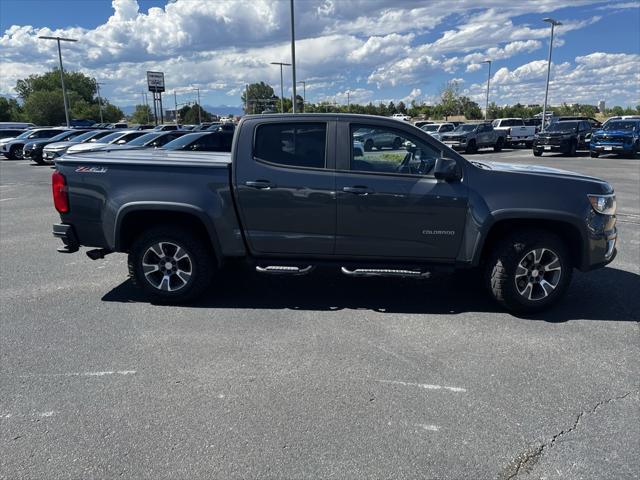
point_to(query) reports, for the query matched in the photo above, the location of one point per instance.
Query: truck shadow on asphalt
(607, 294)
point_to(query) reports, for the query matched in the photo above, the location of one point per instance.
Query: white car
(516, 131)
(437, 129)
(401, 116)
(119, 137)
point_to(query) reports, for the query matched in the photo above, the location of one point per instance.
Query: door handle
(259, 184)
(357, 190)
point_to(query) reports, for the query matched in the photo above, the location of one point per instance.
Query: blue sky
(374, 49)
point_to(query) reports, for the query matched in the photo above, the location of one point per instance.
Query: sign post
(155, 82)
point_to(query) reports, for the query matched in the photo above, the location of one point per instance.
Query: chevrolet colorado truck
(292, 195)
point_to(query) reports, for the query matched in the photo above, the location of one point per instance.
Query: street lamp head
(552, 21)
(486, 61)
(58, 38)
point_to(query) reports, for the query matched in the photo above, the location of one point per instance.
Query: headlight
(605, 204)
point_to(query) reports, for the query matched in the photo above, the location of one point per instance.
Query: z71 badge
(91, 169)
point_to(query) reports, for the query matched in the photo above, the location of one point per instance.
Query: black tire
(397, 143)
(502, 265)
(594, 154)
(472, 147)
(368, 145)
(537, 153)
(200, 260)
(38, 160)
(529, 144)
(572, 149)
(498, 146)
(15, 153)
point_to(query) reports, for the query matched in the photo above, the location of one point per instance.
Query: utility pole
(199, 108)
(293, 58)
(99, 98)
(348, 101)
(64, 90)
(486, 110)
(304, 94)
(145, 101)
(175, 103)
(553, 23)
(282, 64)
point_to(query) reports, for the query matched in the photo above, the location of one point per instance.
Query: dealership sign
(155, 81)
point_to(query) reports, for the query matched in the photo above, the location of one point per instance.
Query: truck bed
(149, 157)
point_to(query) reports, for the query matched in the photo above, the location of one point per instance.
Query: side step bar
(385, 272)
(284, 270)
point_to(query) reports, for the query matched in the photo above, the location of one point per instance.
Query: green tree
(83, 86)
(45, 107)
(260, 97)
(402, 108)
(450, 99)
(142, 114)
(10, 110)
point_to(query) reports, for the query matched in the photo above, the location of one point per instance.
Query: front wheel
(171, 265)
(15, 153)
(594, 154)
(471, 147)
(529, 271)
(537, 153)
(498, 146)
(572, 149)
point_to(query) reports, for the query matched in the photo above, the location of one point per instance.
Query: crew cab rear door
(390, 206)
(285, 186)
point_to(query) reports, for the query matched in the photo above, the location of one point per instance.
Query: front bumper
(603, 237)
(33, 153)
(455, 144)
(611, 147)
(67, 234)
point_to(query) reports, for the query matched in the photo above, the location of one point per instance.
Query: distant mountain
(216, 109)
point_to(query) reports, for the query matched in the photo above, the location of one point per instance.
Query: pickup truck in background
(292, 195)
(617, 136)
(471, 137)
(515, 130)
(566, 137)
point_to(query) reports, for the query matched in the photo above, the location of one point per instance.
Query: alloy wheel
(167, 266)
(538, 274)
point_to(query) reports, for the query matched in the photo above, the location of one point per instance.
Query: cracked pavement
(311, 377)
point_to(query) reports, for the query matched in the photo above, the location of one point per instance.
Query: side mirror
(447, 169)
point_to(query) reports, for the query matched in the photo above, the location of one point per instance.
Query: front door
(389, 204)
(285, 186)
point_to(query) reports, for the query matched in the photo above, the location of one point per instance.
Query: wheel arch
(134, 218)
(565, 226)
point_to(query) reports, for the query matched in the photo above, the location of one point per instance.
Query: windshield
(562, 127)
(144, 139)
(85, 136)
(465, 128)
(621, 125)
(180, 143)
(25, 134)
(112, 137)
(430, 128)
(63, 136)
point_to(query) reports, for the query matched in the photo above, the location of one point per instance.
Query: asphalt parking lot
(311, 377)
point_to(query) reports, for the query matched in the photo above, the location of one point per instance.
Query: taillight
(60, 197)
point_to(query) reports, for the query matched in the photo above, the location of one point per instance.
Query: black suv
(565, 136)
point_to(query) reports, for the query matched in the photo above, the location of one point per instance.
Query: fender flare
(193, 210)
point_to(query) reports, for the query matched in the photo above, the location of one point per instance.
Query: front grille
(549, 141)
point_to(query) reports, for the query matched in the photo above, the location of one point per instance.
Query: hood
(614, 133)
(59, 145)
(454, 134)
(33, 143)
(517, 168)
(557, 134)
(6, 140)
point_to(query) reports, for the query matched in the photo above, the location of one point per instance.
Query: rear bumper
(67, 234)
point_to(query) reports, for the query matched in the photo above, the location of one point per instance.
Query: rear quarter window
(292, 144)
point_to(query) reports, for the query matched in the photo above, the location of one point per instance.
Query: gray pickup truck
(471, 137)
(291, 196)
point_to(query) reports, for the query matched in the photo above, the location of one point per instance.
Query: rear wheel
(171, 265)
(529, 271)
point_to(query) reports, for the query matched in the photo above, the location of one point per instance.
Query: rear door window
(292, 144)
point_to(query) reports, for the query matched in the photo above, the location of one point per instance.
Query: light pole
(99, 98)
(282, 64)
(348, 101)
(64, 90)
(304, 94)
(293, 59)
(486, 109)
(553, 23)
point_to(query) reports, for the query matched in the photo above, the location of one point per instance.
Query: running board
(385, 272)
(284, 270)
